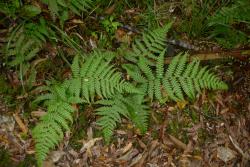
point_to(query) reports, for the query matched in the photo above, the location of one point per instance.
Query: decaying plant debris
(124, 83)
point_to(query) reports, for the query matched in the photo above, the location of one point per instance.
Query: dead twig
(236, 145)
(242, 55)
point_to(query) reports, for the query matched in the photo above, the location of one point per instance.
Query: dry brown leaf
(55, 156)
(48, 163)
(129, 155)
(89, 144)
(38, 113)
(76, 21)
(20, 123)
(225, 154)
(177, 142)
(127, 147)
(136, 160)
(110, 10)
(236, 145)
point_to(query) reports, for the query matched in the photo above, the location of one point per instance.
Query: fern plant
(15, 9)
(225, 22)
(95, 77)
(151, 45)
(60, 8)
(49, 132)
(99, 77)
(113, 109)
(26, 41)
(180, 78)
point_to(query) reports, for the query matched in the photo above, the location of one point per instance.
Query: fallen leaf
(110, 10)
(181, 104)
(21, 124)
(89, 144)
(136, 160)
(38, 113)
(48, 163)
(56, 155)
(225, 154)
(127, 147)
(7, 123)
(177, 142)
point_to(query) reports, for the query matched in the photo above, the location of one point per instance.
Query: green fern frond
(99, 77)
(9, 8)
(182, 78)
(49, 132)
(75, 68)
(237, 12)
(129, 107)
(178, 80)
(225, 22)
(78, 6)
(26, 41)
(110, 115)
(150, 46)
(138, 111)
(57, 7)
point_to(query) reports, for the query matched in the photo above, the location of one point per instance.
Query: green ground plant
(97, 82)
(228, 20)
(217, 19)
(110, 25)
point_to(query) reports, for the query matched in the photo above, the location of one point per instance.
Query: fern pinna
(99, 77)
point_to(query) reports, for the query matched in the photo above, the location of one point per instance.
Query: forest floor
(212, 131)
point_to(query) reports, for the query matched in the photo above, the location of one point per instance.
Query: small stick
(238, 54)
(21, 124)
(235, 144)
